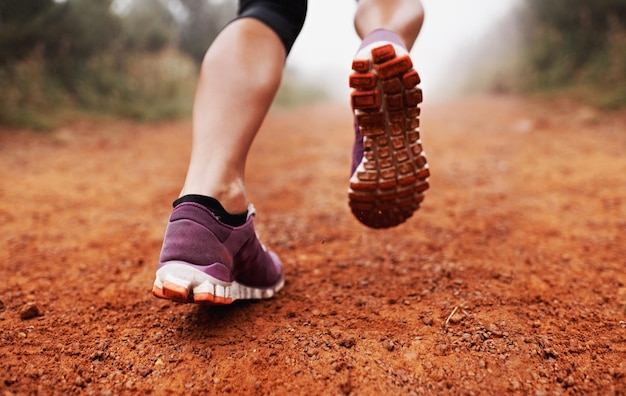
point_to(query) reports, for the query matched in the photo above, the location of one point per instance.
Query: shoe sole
(179, 282)
(389, 184)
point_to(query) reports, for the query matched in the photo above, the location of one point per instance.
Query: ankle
(231, 196)
(213, 205)
(382, 35)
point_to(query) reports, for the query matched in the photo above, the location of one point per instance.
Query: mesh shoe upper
(195, 236)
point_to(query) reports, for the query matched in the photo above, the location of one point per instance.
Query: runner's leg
(211, 253)
(240, 75)
(404, 17)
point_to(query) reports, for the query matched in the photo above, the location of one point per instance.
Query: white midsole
(198, 282)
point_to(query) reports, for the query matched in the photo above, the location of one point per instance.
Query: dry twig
(451, 314)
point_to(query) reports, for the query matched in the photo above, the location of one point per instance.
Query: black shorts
(285, 17)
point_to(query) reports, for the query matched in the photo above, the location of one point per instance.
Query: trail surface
(511, 278)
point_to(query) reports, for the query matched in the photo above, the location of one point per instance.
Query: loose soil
(510, 279)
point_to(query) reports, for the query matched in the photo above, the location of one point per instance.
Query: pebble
(388, 345)
(29, 311)
(80, 382)
(456, 318)
(348, 342)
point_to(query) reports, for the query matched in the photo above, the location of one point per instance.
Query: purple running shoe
(389, 169)
(207, 262)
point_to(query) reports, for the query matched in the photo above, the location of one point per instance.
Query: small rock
(388, 345)
(1, 305)
(80, 382)
(29, 311)
(495, 330)
(456, 318)
(427, 320)
(346, 386)
(348, 342)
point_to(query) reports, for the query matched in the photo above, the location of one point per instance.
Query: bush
(577, 47)
(143, 86)
(81, 56)
(29, 95)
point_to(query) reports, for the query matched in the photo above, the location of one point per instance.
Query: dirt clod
(348, 342)
(29, 311)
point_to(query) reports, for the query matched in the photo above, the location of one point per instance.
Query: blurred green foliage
(60, 59)
(203, 23)
(61, 31)
(578, 48)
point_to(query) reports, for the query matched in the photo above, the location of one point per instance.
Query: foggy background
(328, 42)
(139, 59)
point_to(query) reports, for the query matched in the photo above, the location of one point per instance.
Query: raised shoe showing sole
(205, 261)
(387, 185)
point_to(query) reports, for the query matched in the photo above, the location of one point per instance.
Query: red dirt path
(510, 279)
